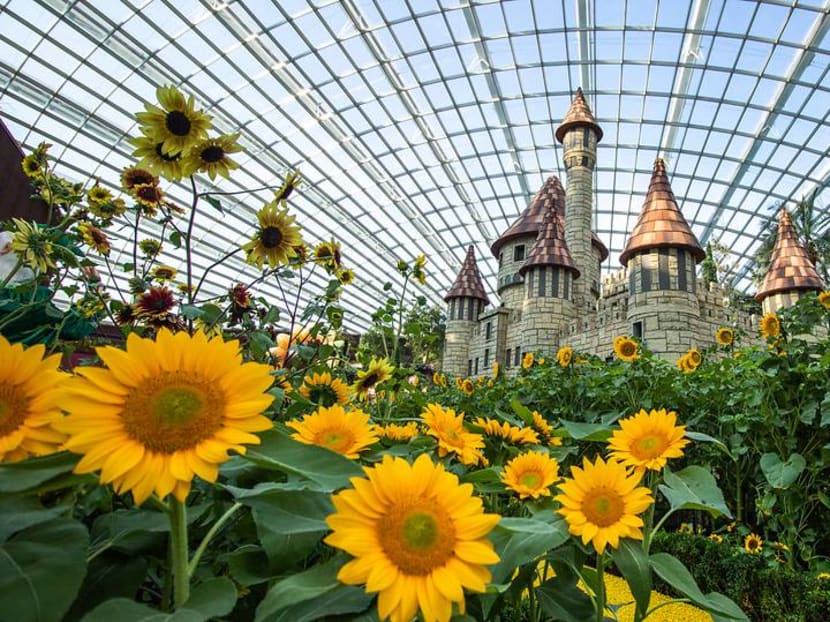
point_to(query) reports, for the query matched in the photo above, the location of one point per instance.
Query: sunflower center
(178, 123)
(417, 535)
(628, 348)
(337, 439)
(323, 395)
(13, 408)
(212, 154)
(531, 479)
(648, 447)
(173, 411)
(271, 237)
(369, 380)
(603, 507)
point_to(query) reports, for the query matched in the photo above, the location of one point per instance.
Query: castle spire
(661, 223)
(550, 248)
(530, 220)
(579, 114)
(468, 283)
(790, 269)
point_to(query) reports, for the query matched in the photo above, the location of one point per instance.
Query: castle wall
(457, 341)
(781, 300)
(511, 285)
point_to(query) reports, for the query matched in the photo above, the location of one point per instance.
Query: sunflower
(496, 369)
(324, 390)
(418, 269)
(753, 543)
(683, 364)
(151, 157)
(770, 326)
(647, 440)
(32, 246)
(716, 538)
(28, 401)
(564, 356)
(164, 273)
(510, 433)
(439, 379)
(94, 238)
(467, 386)
(177, 125)
(345, 276)
(292, 181)
(327, 254)
(542, 426)
(345, 432)
(417, 536)
(276, 238)
(99, 194)
(33, 166)
(149, 248)
(448, 429)
(396, 432)
(107, 210)
(164, 411)
(212, 155)
(824, 299)
(378, 371)
(155, 307)
(531, 474)
(626, 349)
(725, 336)
(527, 360)
(601, 501)
(148, 195)
(823, 576)
(133, 176)
(695, 357)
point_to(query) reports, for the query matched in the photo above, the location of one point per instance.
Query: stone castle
(549, 280)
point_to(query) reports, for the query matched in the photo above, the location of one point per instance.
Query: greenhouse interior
(415, 310)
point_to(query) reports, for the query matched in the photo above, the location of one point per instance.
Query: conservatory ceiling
(426, 126)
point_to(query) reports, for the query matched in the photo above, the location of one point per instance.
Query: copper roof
(550, 248)
(578, 114)
(468, 283)
(603, 249)
(529, 222)
(789, 268)
(661, 223)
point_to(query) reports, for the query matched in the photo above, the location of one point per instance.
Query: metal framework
(427, 125)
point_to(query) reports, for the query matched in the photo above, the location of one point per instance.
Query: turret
(579, 134)
(660, 255)
(465, 301)
(790, 273)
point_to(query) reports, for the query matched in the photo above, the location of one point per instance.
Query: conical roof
(661, 223)
(790, 268)
(529, 222)
(550, 248)
(578, 114)
(468, 282)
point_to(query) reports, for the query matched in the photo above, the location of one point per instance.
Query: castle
(549, 275)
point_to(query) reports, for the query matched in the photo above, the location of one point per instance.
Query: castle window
(488, 331)
(476, 371)
(542, 282)
(469, 367)
(518, 358)
(554, 288)
(681, 269)
(471, 309)
(486, 357)
(501, 258)
(637, 330)
(519, 252)
(586, 138)
(507, 358)
(663, 269)
(566, 286)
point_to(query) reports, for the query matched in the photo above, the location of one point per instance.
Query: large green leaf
(561, 599)
(632, 562)
(31, 473)
(212, 598)
(111, 575)
(782, 474)
(298, 588)
(521, 540)
(325, 470)
(129, 531)
(41, 569)
(587, 431)
(693, 488)
(341, 600)
(673, 572)
(17, 513)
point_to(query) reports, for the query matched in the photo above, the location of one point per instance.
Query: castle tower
(579, 135)
(465, 301)
(790, 273)
(660, 255)
(549, 275)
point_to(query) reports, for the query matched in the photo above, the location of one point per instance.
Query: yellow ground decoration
(617, 593)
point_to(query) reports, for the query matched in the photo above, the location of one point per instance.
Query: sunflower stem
(178, 552)
(194, 562)
(600, 600)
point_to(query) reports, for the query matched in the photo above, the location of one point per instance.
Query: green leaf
(632, 562)
(129, 531)
(693, 488)
(213, 202)
(125, 610)
(288, 512)
(825, 410)
(111, 575)
(341, 600)
(521, 540)
(211, 314)
(522, 411)
(673, 572)
(32, 472)
(18, 513)
(212, 598)
(190, 312)
(175, 239)
(323, 469)
(41, 569)
(298, 588)
(561, 599)
(779, 474)
(587, 431)
(249, 565)
(705, 438)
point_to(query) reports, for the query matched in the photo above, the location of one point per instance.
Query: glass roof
(426, 126)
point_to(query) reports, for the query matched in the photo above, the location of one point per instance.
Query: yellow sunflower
(33, 246)
(33, 166)
(28, 401)
(753, 543)
(601, 503)
(177, 125)
(292, 181)
(164, 411)
(564, 356)
(378, 371)
(824, 299)
(541, 425)
(98, 194)
(683, 364)
(164, 273)
(725, 336)
(439, 379)
(94, 238)
(327, 254)
(626, 349)
(324, 390)
(716, 538)
(448, 428)
(467, 386)
(397, 432)
(695, 358)
(647, 440)
(417, 537)
(133, 176)
(150, 156)
(345, 276)
(276, 238)
(510, 433)
(770, 326)
(342, 431)
(531, 474)
(527, 360)
(212, 155)
(496, 369)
